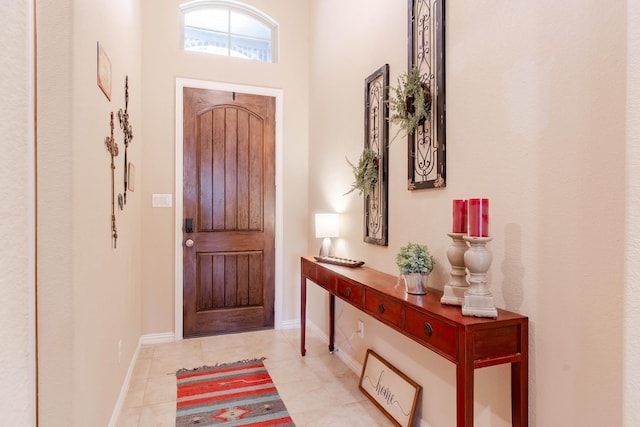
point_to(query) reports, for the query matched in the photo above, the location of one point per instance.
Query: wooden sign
(390, 390)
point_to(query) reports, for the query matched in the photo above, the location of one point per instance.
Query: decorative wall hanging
(123, 118)
(131, 177)
(376, 134)
(104, 72)
(112, 148)
(427, 154)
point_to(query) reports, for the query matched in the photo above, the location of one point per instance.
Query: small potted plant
(365, 172)
(411, 105)
(415, 263)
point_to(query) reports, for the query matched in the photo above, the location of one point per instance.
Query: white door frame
(181, 83)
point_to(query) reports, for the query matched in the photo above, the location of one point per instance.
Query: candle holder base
(479, 306)
(456, 287)
(478, 300)
(453, 295)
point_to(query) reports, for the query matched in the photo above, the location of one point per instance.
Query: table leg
(518, 396)
(464, 393)
(332, 322)
(520, 383)
(303, 314)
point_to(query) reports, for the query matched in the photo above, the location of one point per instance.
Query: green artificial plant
(365, 172)
(415, 258)
(411, 104)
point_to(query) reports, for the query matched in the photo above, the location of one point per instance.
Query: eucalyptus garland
(365, 172)
(411, 104)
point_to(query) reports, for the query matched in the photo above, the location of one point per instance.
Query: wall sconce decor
(327, 226)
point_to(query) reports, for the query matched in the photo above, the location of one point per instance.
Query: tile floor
(318, 389)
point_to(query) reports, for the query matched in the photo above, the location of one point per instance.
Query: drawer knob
(325, 280)
(348, 291)
(381, 308)
(428, 330)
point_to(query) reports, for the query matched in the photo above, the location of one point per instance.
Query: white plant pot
(415, 283)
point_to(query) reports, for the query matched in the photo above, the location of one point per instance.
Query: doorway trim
(181, 83)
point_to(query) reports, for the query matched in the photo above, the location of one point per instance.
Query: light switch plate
(161, 200)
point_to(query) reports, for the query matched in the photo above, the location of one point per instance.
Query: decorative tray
(345, 262)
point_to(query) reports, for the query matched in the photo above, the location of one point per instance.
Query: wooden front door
(229, 212)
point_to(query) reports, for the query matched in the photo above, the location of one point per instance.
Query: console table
(469, 342)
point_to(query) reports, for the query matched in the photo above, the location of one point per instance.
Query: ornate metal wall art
(123, 118)
(376, 131)
(427, 154)
(112, 148)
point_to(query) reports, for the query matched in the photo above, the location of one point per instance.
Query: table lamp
(327, 226)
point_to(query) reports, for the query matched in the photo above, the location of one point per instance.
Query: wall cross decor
(112, 148)
(427, 154)
(123, 118)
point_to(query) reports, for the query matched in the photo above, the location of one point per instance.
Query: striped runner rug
(232, 394)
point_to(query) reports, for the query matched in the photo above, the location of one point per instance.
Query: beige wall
(89, 293)
(17, 215)
(163, 61)
(531, 125)
(535, 122)
(631, 339)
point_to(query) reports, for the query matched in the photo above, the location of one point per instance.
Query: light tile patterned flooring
(318, 389)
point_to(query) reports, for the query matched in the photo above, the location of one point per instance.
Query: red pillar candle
(479, 217)
(459, 216)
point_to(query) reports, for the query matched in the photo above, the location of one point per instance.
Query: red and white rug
(232, 394)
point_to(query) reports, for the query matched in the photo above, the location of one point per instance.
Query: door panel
(229, 191)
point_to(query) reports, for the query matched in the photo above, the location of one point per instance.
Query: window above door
(229, 28)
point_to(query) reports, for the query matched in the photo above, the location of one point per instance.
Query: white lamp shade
(327, 225)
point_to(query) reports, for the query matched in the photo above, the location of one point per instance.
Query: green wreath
(365, 172)
(411, 105)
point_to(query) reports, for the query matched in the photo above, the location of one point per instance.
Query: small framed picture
(104, 72)
(131, 177)
(390, 390)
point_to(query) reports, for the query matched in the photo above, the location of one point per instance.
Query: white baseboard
(157, 338)
(144, 340)
(289, 324)
(124, 389)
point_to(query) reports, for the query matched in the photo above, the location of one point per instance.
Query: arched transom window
(229, 28)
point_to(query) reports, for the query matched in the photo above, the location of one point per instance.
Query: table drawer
(326, 279)
(383, 308)
(434, 333)
(351, 292)
(309, 270)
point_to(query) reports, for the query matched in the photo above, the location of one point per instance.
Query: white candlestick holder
(478, 301)
(456, 287)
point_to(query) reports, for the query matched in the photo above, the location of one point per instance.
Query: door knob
(189, 243)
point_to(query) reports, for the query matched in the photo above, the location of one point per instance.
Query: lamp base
(325, 249)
